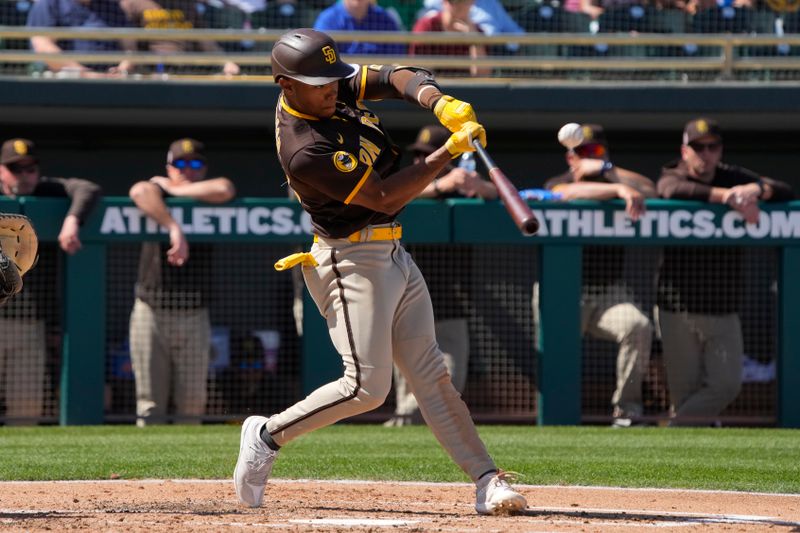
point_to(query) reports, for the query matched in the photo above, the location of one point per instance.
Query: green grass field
(763, 460)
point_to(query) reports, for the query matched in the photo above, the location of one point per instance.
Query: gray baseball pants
(703, 357)
(170, 349)
(378, 310)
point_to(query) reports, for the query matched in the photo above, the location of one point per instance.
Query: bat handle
(484, 155)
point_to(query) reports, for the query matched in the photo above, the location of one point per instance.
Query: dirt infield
(154, 505)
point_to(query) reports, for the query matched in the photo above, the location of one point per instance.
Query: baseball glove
(18, 252)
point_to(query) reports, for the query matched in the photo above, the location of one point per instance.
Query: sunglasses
(700, 147)
(16, 168)
(592, 151)
(195, 164)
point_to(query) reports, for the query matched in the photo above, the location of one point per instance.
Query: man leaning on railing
(79, 14)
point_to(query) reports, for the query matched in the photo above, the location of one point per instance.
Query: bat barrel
(519, 210)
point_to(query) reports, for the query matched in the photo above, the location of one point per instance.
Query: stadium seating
(550, 18)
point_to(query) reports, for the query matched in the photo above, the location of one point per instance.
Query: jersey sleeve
(335, 173)
(373, 82)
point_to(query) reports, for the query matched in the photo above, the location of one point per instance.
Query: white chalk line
(659, 519)
(415, 484)
(628, 517)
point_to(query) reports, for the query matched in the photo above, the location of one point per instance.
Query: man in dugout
(700, 288)
(609, 308)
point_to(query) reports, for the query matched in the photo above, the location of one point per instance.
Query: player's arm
(212, 191)
(417, 86)
(84, 196)
(342, 177)
(672, 185)
(775, 190)
(589, 190)
(391, 193)
(149, 198)
(633, 179)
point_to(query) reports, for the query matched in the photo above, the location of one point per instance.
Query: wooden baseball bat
(520, 213)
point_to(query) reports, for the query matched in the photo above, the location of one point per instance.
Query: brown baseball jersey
(327, 161)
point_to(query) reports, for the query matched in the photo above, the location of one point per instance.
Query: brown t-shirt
(705, 279)
(164, 286)
(328, 160)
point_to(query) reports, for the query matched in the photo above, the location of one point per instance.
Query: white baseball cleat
(254, 464)
(496, 496)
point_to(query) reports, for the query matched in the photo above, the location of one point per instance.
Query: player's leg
(683, 348)
(151, 367)
(453, 339)
(722, 367)
(191, 345)
(418, 356)
(618, 319)
(25, 372)
(356, 288)
(406, 409)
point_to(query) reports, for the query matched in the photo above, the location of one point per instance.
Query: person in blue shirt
(359, 15)
(88, 14)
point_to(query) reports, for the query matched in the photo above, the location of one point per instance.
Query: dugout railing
(747, 55)
(566, 381)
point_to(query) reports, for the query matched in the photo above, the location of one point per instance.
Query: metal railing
(725, 55)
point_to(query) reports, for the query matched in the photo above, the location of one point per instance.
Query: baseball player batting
(343, 166)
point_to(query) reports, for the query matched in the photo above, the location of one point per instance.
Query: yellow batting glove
(460, 141)
(453, 113)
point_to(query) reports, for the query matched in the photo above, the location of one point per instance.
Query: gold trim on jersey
(363, 88)
(358, 186)
(294, 112)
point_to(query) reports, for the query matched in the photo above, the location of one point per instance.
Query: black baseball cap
(429, 139)
(700, 127)
(593, 134)
(186, 148)
(15, 150)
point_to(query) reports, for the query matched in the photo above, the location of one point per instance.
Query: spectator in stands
(405, 12)
(588, 7)
(693, 7)
(359, 15)
(88, 14)
(609, 309)
(452, 332)
(170, 331)
(22, 326)
(173, 14)
(454, 17)
(281, 14)
(489, 15)
(700, 288)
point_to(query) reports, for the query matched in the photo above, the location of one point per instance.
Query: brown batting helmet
(309, 56)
